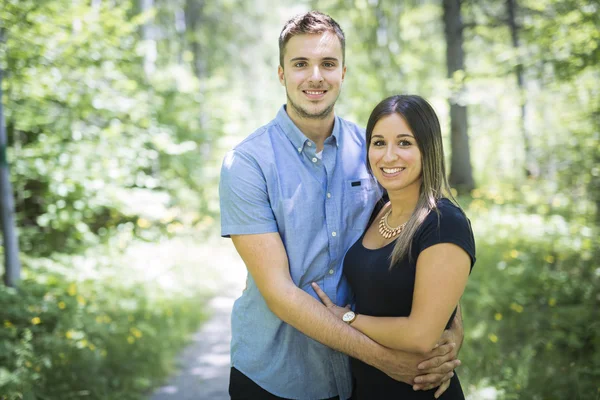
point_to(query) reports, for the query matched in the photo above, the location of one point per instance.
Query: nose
(390, 154)
(316, 75)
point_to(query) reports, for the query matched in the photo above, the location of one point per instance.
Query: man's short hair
(312, 22)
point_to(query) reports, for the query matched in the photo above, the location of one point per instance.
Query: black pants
(243, 388)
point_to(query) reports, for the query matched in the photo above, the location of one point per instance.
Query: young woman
(410, 267)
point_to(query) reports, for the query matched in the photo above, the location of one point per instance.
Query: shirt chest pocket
(359, 197)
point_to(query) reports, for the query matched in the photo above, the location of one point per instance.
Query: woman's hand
(334, 309)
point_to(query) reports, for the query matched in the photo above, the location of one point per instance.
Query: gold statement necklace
(386, 230)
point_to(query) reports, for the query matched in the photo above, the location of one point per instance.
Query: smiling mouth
(392, 170)
(315, 92)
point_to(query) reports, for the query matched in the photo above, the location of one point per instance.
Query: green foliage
(531, 307)
(62, 339)
(88, 130)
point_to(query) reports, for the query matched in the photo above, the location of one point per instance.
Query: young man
(295, 195)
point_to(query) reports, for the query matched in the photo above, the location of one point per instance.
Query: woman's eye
(404, 143)
(378, 143)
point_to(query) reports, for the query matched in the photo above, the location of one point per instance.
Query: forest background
(115, 118)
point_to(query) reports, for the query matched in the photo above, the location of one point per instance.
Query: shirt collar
(296, 136)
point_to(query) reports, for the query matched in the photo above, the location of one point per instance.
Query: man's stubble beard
(303, 113)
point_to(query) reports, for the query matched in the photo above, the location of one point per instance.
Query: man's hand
(402, 366)
(437, 369)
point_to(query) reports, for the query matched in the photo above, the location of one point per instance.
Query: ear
(343, 73)
(280, 74)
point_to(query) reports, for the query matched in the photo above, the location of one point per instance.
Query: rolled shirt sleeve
(243, 196)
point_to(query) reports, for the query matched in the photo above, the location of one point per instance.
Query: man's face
(312, 74)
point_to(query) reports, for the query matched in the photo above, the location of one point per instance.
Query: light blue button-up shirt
(275, 182)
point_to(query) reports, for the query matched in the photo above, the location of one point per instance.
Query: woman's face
(394, 155)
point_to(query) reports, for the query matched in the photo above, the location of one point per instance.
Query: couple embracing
(357, 254)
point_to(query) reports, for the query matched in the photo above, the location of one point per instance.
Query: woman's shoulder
(445, 214)
(446, 206)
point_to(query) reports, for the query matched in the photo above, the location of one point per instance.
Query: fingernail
(415, 388)
(458, 363)
(417, 380)
(420, 367)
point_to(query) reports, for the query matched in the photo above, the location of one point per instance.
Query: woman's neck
(403, 203)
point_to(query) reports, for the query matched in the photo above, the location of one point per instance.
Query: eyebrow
(306, 59)
(399, 136)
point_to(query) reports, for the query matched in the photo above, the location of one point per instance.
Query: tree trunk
(461, 174)
(193, 20)
(531, 166)
(12, 273)
(149, 38)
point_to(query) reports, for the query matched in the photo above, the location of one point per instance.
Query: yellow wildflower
(143, 223)
(130, 339)
(549, 259)
(514, 253)
(493, 338)
(552, 302)
(136, 332)
(8, 324)
(72, 289)
(498, 316)
(92, 347)
(81, 300)
(69, 334)
(62, 305)
(36, 321)
(516, 307)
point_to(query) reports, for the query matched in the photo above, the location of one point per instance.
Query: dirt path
(204, 364)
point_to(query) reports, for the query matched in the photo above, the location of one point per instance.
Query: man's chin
(316, 113)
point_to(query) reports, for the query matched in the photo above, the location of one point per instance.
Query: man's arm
(266, 260)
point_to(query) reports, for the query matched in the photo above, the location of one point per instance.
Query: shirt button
(309, 144)
(328, 195)
(299, 149)
(334, 234)
(314, 159)
(330, 272)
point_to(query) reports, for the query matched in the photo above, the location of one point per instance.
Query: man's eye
(300, 64)
(329, 65)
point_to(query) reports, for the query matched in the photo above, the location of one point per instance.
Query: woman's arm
(441, 277)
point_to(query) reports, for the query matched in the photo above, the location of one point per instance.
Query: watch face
(349, 316)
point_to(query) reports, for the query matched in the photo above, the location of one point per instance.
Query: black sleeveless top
(380, 292)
